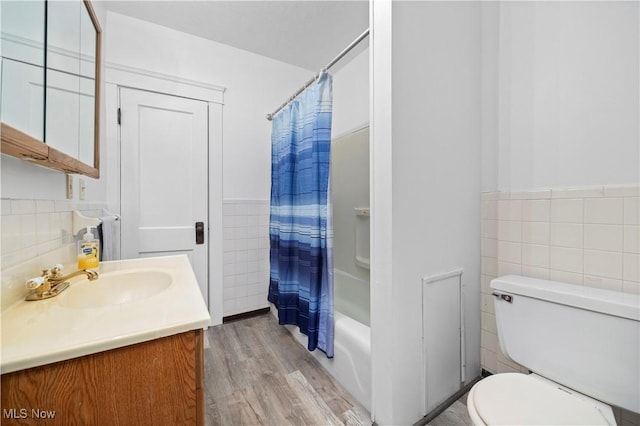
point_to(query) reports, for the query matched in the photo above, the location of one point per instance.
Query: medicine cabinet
(49, 108)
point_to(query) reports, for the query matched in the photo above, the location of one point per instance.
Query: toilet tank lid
(593, 299)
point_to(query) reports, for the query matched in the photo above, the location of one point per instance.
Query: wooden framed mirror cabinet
(49, 108)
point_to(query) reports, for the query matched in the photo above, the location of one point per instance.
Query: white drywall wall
(435, 208)
(351, 96)
(255, 85)
(568, 94)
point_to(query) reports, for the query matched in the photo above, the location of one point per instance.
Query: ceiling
(305, 33)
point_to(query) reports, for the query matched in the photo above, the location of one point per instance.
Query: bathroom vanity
(127, 350)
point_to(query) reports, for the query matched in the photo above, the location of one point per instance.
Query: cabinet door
(50, 85)
(151, 383)
(71, 70)
(23, 58)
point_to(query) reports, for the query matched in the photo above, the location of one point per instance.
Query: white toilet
(581, 344)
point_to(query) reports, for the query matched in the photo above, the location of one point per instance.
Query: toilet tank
(586, 339)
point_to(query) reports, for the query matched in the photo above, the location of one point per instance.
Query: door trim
(215, 130)
(151, 81)
(216, 262)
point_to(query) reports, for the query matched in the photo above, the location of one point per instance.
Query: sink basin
(116, 288)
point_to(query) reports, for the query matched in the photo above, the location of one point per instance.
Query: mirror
(49, 109)
(23, 63)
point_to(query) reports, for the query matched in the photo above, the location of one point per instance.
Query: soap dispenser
(88, 251)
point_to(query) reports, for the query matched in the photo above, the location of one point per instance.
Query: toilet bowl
(582, 345)
(528, 399)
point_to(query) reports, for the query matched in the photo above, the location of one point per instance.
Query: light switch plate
(69, 187)
(82, 188)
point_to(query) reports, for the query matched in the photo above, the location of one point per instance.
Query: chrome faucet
(52, 282)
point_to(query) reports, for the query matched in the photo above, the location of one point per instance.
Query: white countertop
(46, 331)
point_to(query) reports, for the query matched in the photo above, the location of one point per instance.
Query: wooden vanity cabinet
(159, 382)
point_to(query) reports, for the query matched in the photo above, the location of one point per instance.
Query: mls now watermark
(23, 413)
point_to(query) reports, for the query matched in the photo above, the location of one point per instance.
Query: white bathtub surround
(584, 235)
(246, 255)
(352, 296)
(350, 202)
(36, 234)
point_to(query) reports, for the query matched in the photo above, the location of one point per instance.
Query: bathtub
(351, 364)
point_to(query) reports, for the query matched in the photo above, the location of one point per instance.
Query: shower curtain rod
(353, 44)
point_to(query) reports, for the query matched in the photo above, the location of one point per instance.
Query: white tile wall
(246, 255)
(586, 236)
(35, 234)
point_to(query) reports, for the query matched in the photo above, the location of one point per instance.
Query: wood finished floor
(257, 374)
(455, 415)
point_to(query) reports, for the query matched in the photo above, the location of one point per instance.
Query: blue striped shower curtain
(300, 230)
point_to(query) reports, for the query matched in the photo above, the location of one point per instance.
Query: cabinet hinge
(119, 116)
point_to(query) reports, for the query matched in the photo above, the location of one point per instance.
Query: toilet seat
(515, 398)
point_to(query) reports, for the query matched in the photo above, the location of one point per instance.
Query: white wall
(490, 33)
(435, 172)
(568, 94)
(255, 85)
(21, 179)
(351, 96)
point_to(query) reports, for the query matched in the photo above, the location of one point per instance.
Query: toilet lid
(513, 398)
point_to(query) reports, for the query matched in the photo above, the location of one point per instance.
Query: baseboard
(245, 315)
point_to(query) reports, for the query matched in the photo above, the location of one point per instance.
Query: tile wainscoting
(36, 234)
(246, 255)
(585, 236)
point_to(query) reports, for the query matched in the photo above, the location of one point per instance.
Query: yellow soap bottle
(88, 247)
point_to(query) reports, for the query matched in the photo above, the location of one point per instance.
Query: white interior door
(163, 141)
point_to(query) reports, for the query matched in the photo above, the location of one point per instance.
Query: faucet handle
(56, 270)
(34, 283)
